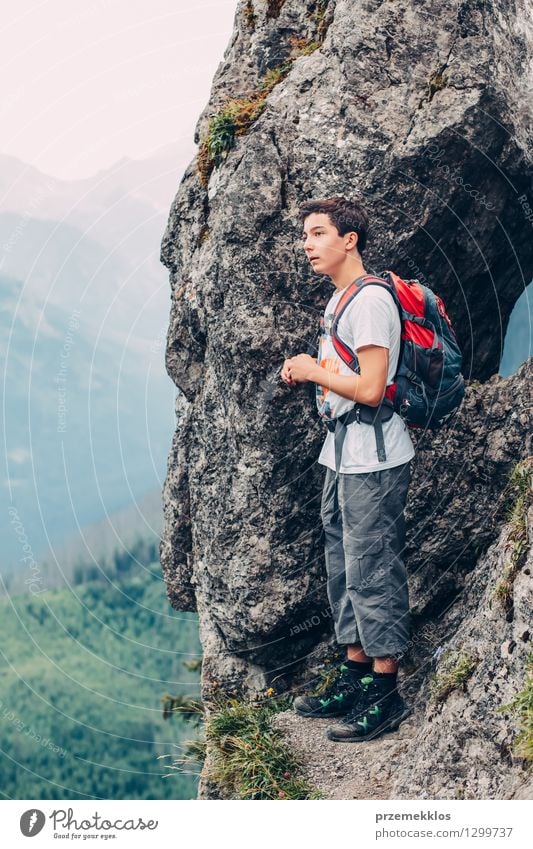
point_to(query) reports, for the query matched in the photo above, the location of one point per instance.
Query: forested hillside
(84, 671)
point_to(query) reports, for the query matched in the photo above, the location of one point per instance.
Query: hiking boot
(377, 711)
(341, 696)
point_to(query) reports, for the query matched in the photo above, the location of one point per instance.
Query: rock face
(425, 113)
(459, 745)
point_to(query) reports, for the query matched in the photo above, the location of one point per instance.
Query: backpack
(428, 385)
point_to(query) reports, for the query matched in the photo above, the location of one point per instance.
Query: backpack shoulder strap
(343, 350)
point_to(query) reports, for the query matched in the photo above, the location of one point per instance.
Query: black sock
(390, 678)
(361, 668)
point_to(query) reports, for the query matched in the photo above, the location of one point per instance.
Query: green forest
(85, 668)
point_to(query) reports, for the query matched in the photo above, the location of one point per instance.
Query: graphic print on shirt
(331, 364)
(371, 320)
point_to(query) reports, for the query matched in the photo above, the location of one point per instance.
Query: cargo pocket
(365, 570)
(328, 492)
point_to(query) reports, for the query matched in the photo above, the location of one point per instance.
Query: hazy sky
(85, 83)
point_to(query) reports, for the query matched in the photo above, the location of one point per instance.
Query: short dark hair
(348, 216)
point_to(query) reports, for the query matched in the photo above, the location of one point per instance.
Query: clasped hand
(297, 369)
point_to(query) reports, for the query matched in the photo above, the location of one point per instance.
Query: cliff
(464, 669)
(423, 112)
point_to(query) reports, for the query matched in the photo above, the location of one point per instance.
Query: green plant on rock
(234, 119)
(184, 705)
(320, 18)
(302, 47)
(521, 483)
(193, 755)
(326, 678)
(194, 751)
(436, 83)
(249, 758)
(273, 77)
(452, 676)
(237, 115)
(522, 709)
(193, 665)
(219, 140)
(249, 15)
(221, 133)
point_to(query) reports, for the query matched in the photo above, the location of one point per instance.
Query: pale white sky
(85, 82)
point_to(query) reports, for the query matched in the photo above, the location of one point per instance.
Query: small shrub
(193, 665)
(522, 709)
(184, 705)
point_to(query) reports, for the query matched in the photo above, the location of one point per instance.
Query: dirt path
(345, 770)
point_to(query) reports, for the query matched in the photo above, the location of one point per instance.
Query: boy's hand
(300, 368)
(286, 374)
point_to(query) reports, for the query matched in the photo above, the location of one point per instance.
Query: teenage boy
(366, 481)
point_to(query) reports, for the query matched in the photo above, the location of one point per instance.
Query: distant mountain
(124, 207)
(132, 532)
(152, 181)
(89, 408)
(116, 532)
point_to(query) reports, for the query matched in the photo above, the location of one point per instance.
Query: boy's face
(325, 249)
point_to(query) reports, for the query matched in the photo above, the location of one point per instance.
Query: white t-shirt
(370, 319)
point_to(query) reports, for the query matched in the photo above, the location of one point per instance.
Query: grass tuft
(521, 482)
(453, 676)
(320, 18)
(327, 676)
(522, 709)
(234, 119)
(249, 758)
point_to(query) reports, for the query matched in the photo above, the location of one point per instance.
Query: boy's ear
(353, 237)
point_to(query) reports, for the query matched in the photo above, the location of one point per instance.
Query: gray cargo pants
(367, 581)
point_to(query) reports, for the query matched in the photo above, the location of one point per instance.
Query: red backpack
(428, 386)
